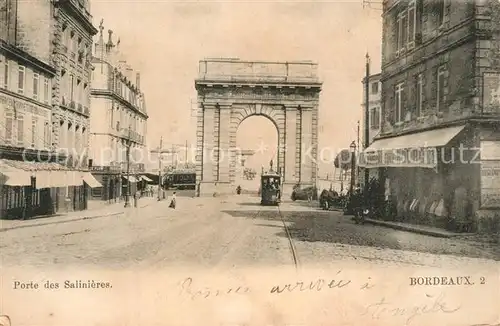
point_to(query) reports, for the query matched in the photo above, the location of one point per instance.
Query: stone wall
(34, 26)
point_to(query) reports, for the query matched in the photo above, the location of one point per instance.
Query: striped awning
(89, 179)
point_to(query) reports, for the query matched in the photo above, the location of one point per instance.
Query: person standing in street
(172, 202)
(137, 195)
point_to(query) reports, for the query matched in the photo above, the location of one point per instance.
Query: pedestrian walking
(172, 202)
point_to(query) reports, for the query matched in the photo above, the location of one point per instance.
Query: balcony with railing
(131, 135)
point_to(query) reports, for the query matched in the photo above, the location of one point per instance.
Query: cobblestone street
(228, 232)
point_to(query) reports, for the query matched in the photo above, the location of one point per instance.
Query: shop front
(110, 179)
(29, 188)
(430, 177)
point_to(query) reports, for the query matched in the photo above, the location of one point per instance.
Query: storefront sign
(491, 92)
(404, 157)
(490, 174)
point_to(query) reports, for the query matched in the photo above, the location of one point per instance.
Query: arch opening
(257, 139)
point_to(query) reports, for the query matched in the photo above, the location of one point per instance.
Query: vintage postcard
(250, 163)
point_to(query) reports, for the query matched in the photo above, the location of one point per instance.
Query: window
(375, 88)
(6, 75)
(72, 87)
(21, 80)
(398, 102)
(375, 118)
(441, 96)
(9, 126)
(20, 130)
(34, 126)
(419, 95)
(46, 90)
(79, 91)
(441, 5)
(86, 96)
(36, 78)
(46, 134)
(412, 23)
(402, 25)
(77, 138)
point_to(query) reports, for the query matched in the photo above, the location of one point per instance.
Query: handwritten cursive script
(383, 308)
(317, 285)
(205, 292)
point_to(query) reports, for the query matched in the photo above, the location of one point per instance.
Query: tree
(343, 160)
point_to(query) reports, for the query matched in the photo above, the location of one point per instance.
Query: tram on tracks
(270, 188)
(180, 179)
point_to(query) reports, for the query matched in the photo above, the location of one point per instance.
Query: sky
(165, 40)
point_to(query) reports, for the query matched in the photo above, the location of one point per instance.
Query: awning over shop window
(47, 174)
(51, 179)
(89, 179)
(130, 178)
(11, 176)
(145, 178)
(414, 150)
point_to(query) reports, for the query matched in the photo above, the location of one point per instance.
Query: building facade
(34, 178)
(118, 121)
(438, 150)
(374, 117)
(72, 57)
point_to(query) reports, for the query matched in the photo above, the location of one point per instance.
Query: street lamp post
(127, 195)
(352, 147)
(159, 168)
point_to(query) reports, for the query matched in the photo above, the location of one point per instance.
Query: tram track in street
(291, 245)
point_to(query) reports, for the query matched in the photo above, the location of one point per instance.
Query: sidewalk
(94, 212)
(421, 229)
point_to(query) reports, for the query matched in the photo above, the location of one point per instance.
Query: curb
(91, 217)
(409, 228)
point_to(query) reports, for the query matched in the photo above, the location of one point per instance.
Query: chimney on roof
(138, 80)
(110, 38)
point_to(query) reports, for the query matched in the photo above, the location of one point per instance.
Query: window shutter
(46, 135)
(411, 24)
(20, 130)
(34, 126)
(433, 88)
(404, 101)
(9, 122)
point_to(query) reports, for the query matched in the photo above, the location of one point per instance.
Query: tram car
(180, 179)
(270, 188)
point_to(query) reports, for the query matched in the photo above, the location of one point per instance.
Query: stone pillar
(224, 145)
(208, 144)
(306, 152)
(200, 146)
(290, 176)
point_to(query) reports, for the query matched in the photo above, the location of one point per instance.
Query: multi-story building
(32, 180)
(438, 150)
(72, 38)
(374, 106)
(374, 117)
(118, 121)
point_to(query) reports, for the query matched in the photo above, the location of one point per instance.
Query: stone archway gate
(229, 91)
